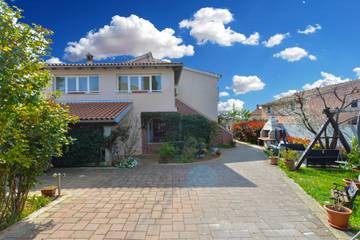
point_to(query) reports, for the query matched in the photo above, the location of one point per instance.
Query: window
(133, 83)
(269, 110)
(157, 131)
(60, 84)
(145, 83)
(156, 83)
(123, 84)
(80, 84)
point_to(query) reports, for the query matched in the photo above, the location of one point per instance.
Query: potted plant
(289, 156)
(273, 156)
(353, 161)
(338, 215)
(48, 191)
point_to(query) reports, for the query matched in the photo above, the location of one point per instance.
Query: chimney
(89, 59)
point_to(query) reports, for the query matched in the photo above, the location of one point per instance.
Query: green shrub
(289, 155)
(86, 149)
(167, 151)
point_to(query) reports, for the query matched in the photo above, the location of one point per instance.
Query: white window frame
(140, 88)
(77, 84)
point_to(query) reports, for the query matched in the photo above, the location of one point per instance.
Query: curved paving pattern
(239, 196)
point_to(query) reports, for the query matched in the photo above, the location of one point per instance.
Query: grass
(32, 204)
(317, 182)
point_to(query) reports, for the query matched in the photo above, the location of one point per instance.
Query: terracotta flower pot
(273, 160)
(336, 219)
(347, 181)
(289, 164)
(48, 191)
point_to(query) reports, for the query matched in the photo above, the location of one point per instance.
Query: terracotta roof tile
(98, 111)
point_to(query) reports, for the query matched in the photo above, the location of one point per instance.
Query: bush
(289, 155)
(248, 131)
(167, 151)
(198, 128)
(85, 150)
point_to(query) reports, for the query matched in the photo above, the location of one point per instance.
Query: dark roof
(146, 60)
(99, 111)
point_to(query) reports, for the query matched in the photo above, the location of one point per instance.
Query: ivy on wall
(86, 149)
(180, 127)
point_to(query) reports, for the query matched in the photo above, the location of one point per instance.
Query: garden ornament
(58, 176)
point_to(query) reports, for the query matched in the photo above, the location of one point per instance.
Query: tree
(233, 116)
(33, 126)
(311, 117)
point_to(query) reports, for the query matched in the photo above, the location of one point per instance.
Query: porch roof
(102, 111)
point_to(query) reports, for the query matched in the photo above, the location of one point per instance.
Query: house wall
(199, 91)
(163, 101)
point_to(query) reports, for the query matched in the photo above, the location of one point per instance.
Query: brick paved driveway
(239, 196)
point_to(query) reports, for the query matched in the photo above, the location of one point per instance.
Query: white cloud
(166, 60)
(244, 84)
(227, 88)
(208, 24)
(357, 71)
(224, 94)
(275, 39)
(228, 105)
(310, 29)
(327, 79)
(128, 36)
(294, 54)
(285, 94)
(53, 60)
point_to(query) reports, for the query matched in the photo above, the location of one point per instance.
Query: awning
(99, 111)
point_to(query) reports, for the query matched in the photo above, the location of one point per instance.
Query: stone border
(35, 214)
(310, 202)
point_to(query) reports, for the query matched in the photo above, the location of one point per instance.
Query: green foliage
(290, 155)
(85, 150)
(33, 126)
(198, 127)
(354, 155)
(318, 182)
(167, 151)
(32, 204)
(180, 127)
(233, 116)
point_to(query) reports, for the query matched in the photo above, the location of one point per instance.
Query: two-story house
(104, 93)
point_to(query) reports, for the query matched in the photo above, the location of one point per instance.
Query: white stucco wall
(163, 101)
(199, 91)
(142, 102)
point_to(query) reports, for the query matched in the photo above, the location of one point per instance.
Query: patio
(239, 196)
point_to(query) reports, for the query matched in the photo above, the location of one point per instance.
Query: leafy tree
(233, 116)
(33, 126)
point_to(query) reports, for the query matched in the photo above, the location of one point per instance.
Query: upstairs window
(77, 84)
(143, 83)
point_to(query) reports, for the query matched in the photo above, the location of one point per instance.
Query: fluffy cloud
(53, 60)
(244, 84)
(275, 39)
(228, 105)
(128, 36)
(208, 24)
(327, 79)
(285, 94)
(357, 71)
(294, 54)
(224, 94)
(310, 29)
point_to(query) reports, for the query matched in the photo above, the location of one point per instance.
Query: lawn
(32, 204)
(317, 183)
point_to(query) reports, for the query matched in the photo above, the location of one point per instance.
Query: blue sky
(217, 39)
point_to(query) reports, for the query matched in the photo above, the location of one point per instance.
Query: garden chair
(324, 157)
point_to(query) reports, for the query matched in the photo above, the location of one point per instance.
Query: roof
(99, 111)
(146, 60)
(313, 92)
(211, 74)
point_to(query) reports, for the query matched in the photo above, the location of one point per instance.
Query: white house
(104, 93)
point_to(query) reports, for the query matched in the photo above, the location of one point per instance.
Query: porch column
(108, 155)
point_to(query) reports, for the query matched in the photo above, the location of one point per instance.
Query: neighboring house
(102, 94)
(283, 108)
(258, 114)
